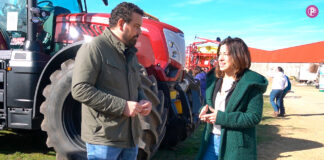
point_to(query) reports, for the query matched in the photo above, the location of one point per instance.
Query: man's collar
(131, 50)
(120, 46)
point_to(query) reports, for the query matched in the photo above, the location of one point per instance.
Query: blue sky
(266, 24)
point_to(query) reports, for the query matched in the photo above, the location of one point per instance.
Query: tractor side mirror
(105, 2)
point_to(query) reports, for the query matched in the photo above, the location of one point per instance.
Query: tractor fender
(68, 52)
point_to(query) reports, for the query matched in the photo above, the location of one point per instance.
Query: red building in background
(308, 53)
(302, 62)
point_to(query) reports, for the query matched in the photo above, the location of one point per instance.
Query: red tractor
(38, 43)
(202, 56)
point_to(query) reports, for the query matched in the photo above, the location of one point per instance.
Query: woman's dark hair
(240, 56)
(124, 10)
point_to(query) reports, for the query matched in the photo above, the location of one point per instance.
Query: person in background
(212, 63)
(279, 83)
(106, 80)
(200, 75)
(234, 97)
(282, 110)
(189, 71)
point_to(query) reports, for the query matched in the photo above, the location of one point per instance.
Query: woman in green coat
(234, 97)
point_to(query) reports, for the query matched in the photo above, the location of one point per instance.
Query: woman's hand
(203, 112)
(209, 118)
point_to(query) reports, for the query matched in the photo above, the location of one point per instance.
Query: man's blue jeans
(212, 150)
(276, 94)
(102, 152)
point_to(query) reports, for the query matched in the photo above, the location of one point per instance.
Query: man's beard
(130, 42)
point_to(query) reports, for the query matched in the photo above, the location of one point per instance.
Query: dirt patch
(300, 134)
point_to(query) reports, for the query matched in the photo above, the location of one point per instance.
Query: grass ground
(186, 150)
(264, 128)
(298, 135)
(26, 145)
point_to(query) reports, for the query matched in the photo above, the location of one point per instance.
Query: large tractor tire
(196, 100)
(181, 126)
(153, 125)
(62, 117)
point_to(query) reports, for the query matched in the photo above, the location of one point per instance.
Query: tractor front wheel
(153, 125)
(62, 115)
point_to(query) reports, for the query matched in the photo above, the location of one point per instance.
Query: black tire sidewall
(60, 90)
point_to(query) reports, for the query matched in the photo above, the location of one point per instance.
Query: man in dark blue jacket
(285, 91)
(200, 75)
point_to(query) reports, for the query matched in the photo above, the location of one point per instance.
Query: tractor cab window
(49, 10)
(71, 5)
(13, 22)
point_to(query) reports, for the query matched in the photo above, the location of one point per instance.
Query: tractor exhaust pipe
(31, 43)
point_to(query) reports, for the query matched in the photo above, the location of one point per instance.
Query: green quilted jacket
(242, 113)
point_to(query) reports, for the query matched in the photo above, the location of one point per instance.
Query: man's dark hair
(240, 54)
(280, 69)
(197, 70)
(124, 10)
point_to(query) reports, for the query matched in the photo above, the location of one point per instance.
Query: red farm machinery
(202, 53)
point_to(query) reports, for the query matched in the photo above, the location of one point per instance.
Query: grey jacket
(105, 76)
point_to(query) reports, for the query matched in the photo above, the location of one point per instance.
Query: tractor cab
(13, 24)
(14, 20)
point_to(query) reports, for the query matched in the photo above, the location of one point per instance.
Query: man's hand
(146, 107)
(132, 108)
